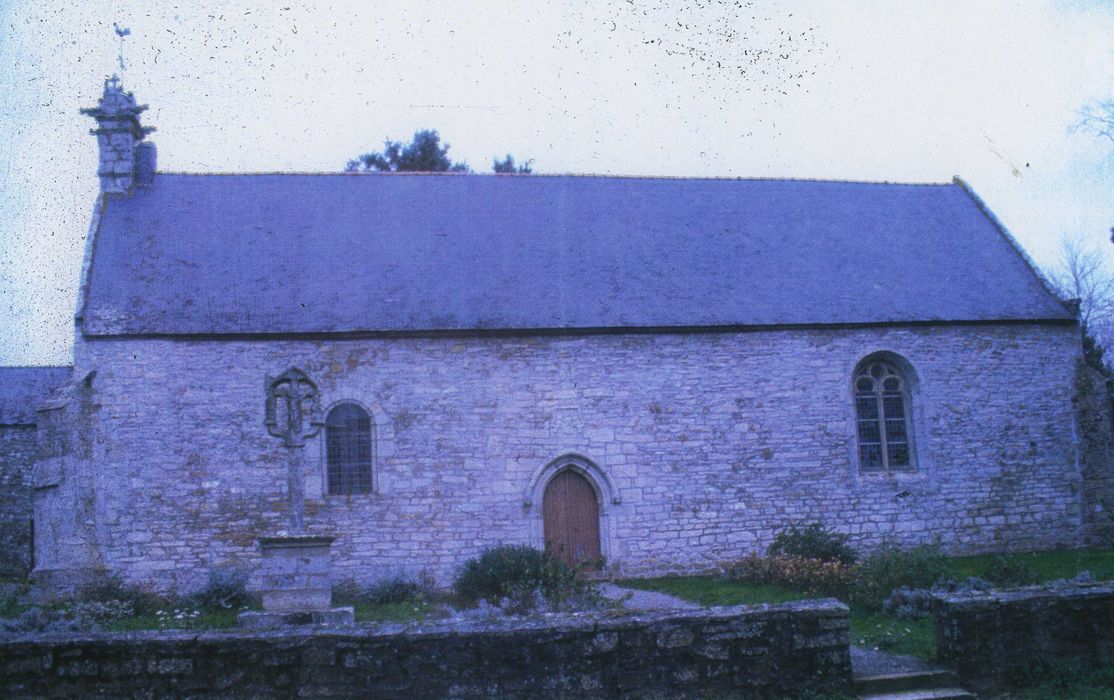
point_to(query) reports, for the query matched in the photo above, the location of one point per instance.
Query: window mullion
(878, 397)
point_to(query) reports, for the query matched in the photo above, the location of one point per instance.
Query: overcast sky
(899, 91)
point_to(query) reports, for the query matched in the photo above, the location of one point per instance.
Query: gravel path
(635, 599)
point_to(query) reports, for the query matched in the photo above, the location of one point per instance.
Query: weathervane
(121, 32)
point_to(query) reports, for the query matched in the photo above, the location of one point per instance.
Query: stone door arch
(571, 518)
(604, 494)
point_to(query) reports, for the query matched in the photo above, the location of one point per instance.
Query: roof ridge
(600, 176)
(4, 367)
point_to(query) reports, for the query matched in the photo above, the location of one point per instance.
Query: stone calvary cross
(293, 413)
(294, 577)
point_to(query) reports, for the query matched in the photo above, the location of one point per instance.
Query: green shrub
(1009, 571)
(392, 589)
(226, 588)
(889, 568)
(809, 575)
(517, 572)
(812, 541)
(113, 590)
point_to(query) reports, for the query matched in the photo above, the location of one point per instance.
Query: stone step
(953, 693)
(909, 680)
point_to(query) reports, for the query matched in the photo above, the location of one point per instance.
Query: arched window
(350, 449)
(882, 413)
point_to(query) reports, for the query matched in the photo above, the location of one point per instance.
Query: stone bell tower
(124, 160)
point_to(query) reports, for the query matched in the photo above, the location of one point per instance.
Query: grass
(877, 630)
(709, 590)
(208, 619)
(1049, 566)
(872, 630)
(887, 633)
(226, 619)
(1060, 680)
(1074, 691)
(390, 612)
(205, 620)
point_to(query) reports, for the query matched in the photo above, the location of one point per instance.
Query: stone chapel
(657, 371)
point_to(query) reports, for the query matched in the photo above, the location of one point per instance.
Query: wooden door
(572, 519)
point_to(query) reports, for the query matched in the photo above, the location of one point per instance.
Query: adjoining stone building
(22, 390)
(663, 371)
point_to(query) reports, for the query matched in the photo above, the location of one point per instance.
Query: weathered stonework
(294, 574)
(1096, 433)
(22, 391)
(987, 637)
(17, 453)
(700, 445)
(118, 135)
(761, 652)
(67, 481)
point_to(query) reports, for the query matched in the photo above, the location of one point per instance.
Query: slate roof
(23, 389)
(295, 253)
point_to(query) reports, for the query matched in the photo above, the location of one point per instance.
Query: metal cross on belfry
(293, 413)
(121, 32)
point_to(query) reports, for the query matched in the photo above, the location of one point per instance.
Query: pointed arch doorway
(571, 515)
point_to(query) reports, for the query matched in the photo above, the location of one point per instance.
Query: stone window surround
(916, 414)
(597, 476)
(371, 456)
(385, 448)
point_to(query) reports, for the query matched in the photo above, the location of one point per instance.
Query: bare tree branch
(1082, 273)
(1096, 118)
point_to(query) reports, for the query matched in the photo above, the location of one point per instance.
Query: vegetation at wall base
(1048, 565)
(889, 568)
(395, 597)
(831, 578)
(1039, 679)
(812, 540)
(712, 590)
(888, 630)
(518, 573)
(883, 632)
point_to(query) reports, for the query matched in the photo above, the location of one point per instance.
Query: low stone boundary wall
(745, 652)
(985, 636)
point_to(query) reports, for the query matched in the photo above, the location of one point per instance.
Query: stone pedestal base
(294, 574)
(260, 620)
(55, 584)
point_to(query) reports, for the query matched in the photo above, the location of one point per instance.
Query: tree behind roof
(424, 154)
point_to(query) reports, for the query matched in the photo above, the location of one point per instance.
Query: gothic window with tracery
(882, 413)
(350, 450)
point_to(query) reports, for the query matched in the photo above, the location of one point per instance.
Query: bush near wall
(808, 557)
(813, 540)
(519, 573)
(809, 575)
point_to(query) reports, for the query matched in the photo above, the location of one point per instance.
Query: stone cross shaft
(293, 413)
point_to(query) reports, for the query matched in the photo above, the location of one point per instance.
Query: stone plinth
(263, 620)
(294, 575)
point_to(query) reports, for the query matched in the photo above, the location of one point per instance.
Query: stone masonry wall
(773, 651)
(988, 637)
(17, 454)
(1096, 431)
(702, 445)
